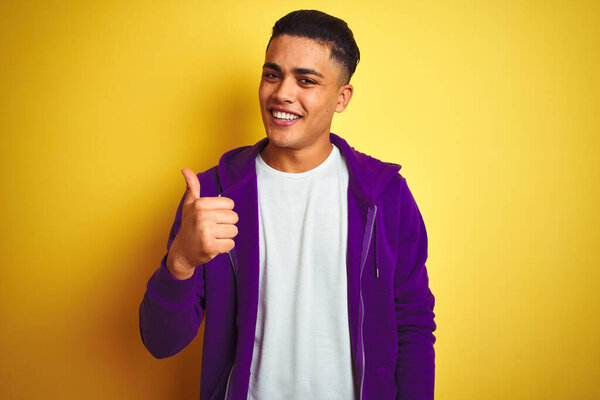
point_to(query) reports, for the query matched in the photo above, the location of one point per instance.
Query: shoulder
(370, 176)
(398, 192)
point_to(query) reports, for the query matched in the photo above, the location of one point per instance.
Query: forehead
(291, 52)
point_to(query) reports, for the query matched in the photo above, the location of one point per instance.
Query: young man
(305, 257)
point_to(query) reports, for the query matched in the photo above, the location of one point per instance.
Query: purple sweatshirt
(390, 306)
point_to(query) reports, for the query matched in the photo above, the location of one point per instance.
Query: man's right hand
(207, 229)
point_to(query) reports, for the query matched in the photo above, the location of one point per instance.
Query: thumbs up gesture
(207, 229)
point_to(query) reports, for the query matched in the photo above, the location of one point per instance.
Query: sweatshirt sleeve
(171, 310)
(414, 302)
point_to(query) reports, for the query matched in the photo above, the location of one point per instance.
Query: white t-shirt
(302, 343)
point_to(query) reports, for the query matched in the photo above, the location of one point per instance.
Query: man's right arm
(171, 311)
(173, 305)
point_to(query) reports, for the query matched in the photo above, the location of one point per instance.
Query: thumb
(193, 186)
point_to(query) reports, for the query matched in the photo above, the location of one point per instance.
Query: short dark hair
(323, 28)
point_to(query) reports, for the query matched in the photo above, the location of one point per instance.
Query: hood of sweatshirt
(238, 165)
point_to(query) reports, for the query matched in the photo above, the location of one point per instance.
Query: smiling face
(299, 92)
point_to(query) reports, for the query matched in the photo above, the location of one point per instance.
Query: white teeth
(284, 115)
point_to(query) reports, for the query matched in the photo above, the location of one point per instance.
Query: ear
(344, 96)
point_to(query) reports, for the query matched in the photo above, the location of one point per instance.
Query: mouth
(283, 118)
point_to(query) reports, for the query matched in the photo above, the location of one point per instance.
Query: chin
(279, 138)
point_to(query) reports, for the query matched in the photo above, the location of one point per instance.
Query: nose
(285, 92)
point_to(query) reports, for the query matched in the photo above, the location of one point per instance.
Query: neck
(296, 160)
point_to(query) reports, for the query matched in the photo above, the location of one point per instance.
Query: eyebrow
(299, 70)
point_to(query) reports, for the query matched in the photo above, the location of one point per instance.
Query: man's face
(299, 92)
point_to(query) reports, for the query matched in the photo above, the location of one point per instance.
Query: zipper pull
(377, 272)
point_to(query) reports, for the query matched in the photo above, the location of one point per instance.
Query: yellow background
(491, 107)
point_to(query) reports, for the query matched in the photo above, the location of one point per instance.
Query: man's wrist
(178, 268)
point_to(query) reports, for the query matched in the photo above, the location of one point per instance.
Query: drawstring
(375, 247)
(231, 262)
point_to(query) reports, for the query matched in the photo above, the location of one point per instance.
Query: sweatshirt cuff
(171, 292)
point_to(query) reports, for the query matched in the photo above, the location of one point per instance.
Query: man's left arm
(414, 302)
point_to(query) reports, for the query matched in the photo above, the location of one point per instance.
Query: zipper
(228, 380)
(237, 325)
(362, 305)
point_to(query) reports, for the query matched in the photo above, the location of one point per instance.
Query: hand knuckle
(209, 247)
(202, 214)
